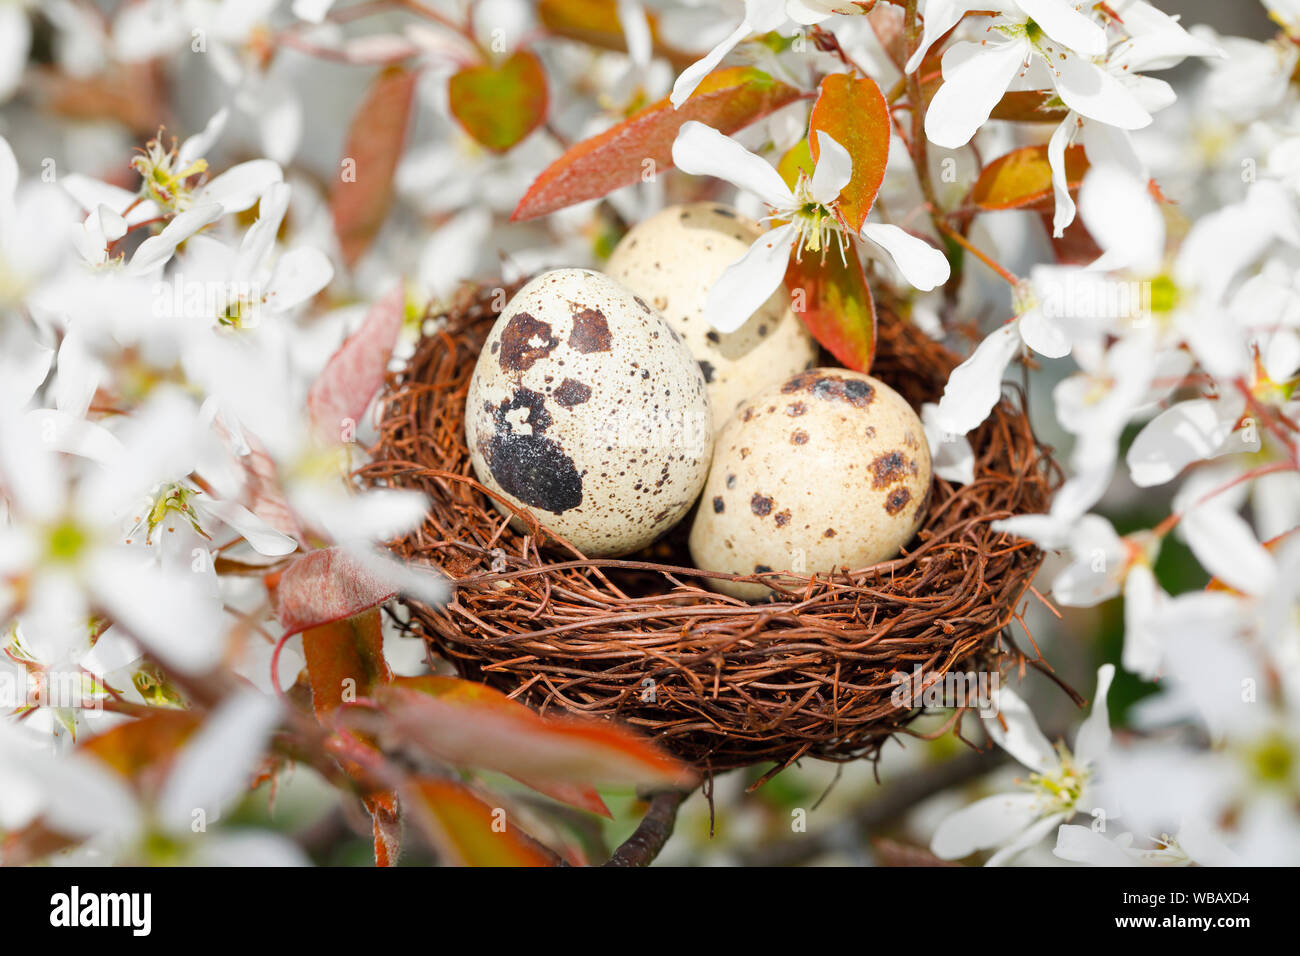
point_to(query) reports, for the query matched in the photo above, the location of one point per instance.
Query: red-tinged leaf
(835, 303)
(1075, 246)
(466, 830)
(727, 100)
(345, 660)
(142, 750)
(32, 843)
(386, 825)
(134, 94)
(895, 853)
(472, 725)
(853, 112)
(1029, 106)
(325, 586)
(596, 23)
(580, 795)
(1023, 178)
(363, 190)
(500, 103)
(340, 395)
(267, 498)
(887, 22)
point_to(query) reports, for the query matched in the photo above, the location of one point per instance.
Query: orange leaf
(466, 830)
(1023, 178)
(386, 826)
(139, 745)
(595, 22)
(500, 103)
(727, 100)
(835, 303)
(363, 190)
(853, 112)
(1029, 106)
(472, 725)
(345, 660)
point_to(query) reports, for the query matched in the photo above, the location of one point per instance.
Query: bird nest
(720, 682)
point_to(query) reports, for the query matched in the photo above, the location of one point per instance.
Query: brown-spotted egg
(829, 470)
(672, 260)
(587, 409)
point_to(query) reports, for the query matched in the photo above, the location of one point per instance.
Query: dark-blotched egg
(588, 410)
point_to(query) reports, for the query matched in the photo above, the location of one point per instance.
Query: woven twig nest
(720, 682)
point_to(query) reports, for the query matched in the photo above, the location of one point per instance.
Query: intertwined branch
(718, 681)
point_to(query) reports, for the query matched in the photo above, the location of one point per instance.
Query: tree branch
(652, 832)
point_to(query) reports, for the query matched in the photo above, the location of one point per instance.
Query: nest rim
(718, 681)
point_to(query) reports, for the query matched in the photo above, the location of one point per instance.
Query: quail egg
(826, 471)
(586, 409)
(672, 260)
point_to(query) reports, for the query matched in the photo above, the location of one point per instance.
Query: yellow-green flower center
(65, 542)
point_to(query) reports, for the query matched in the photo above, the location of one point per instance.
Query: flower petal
(299, 274)
(1020, 736)
(975, 386)
(264, 539)
(1188, 432)
(985, 823)
(972, 89)
(1093, 739)
(1043, 335)
(951, 456)
(198, 145)
(156, 250)
(760, 17)
(1080, 844)
(921, 264)
(703, 151)
(747, 283)
(1226, 546)
(833, 171)
(1065, 24)
(215, 765)
(1124, 220)
(240, 186)
(940, 17)
(1088, 89)
(1064, 211)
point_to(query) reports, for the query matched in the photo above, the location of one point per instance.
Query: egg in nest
(586, 409)
(829, 470)
(672, 260)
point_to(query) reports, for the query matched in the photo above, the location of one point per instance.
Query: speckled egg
(672, 260)
(588, 410)
(829, 470)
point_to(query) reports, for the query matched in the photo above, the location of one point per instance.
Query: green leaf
(641, 145)
(833, 300)
(853, 112)
(1023, 178)
(499, 104)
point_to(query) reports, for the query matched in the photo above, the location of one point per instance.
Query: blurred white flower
(1060, 785)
